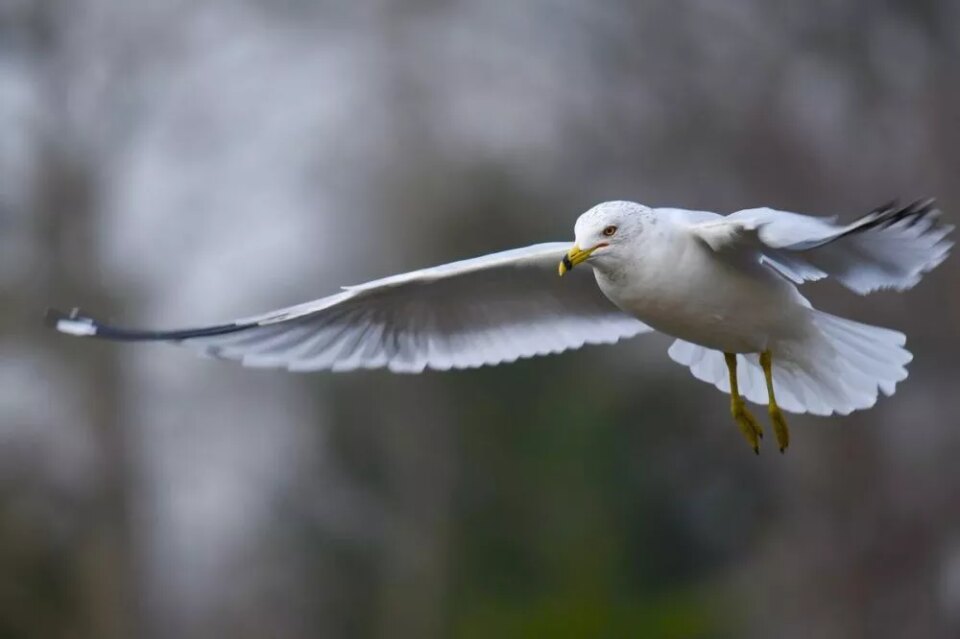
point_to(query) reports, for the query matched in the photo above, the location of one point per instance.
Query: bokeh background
(172, 162)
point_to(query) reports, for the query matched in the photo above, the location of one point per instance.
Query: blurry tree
(170, 162)
(77, 577)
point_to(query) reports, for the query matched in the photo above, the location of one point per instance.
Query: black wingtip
(887, 206)
(78, 325)
(912, 213)
(891, 213)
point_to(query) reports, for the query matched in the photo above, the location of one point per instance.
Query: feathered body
(670, 280)
(707, 280)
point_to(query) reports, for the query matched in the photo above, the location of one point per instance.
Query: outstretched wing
(891, 247)
(487, 310)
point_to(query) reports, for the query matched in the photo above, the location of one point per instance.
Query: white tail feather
(839, 368)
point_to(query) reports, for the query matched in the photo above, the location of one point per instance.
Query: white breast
(681, 288)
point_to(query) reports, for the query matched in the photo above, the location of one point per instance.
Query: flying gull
(726, 287)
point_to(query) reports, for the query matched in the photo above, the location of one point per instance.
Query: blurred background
(170, 162)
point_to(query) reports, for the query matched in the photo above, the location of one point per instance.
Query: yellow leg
(747, 423)
(776, 415)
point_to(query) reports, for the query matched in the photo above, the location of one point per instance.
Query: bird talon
(780, 428)
(747, 423)
(776, 415)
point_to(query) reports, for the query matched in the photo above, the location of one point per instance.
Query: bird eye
(609, 231)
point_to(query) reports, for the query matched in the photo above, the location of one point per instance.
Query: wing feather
(486, 310)
(890, 247)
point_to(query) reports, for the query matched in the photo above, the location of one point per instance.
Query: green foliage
(560, 535)
(677, 615)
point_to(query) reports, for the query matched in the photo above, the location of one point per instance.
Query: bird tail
(840, 367)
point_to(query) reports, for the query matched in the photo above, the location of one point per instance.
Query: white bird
(725, 287)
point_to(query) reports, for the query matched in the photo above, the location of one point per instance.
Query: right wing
(891, 247)
(487, 310)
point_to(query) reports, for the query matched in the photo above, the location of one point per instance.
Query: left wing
(890, 247)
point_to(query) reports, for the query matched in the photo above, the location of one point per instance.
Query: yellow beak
(574, 256)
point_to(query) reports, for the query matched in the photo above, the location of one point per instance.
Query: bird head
(603, 233)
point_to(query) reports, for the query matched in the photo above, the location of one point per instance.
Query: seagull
(725, 287)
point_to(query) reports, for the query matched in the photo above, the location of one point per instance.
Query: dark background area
(171, 162)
